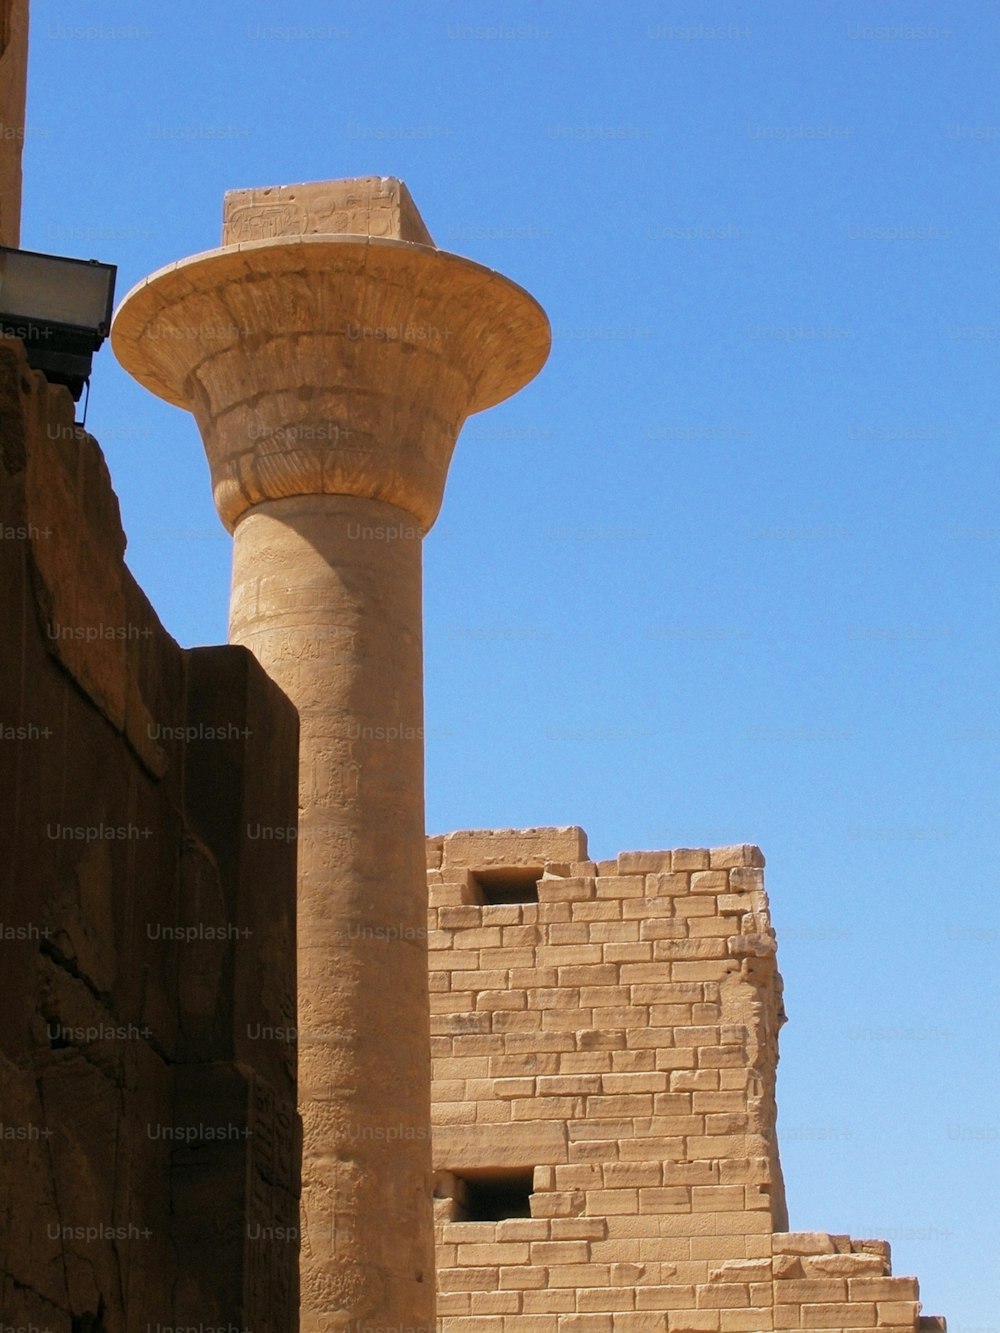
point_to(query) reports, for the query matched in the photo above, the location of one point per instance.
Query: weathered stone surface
(604, 1056)
(630, 1059)
(638, 863)
(344, 355)
(330, 364)
(485, 848)
(143, 935)
(845, 1265)
(743, 854)
(501, 1145)
(13, 85)
(804, 1242)
(369, 206)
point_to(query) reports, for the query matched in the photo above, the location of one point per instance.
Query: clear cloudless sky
(727, 570)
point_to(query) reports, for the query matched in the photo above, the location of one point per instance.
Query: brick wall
(604, 1100)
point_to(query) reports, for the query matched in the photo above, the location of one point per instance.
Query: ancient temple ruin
(477, 1082)
(605, 1042)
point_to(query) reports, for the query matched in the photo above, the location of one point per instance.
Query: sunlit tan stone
(623, 1092)
(13, 87)
(330, 375)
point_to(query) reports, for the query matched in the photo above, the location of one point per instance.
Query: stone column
(13, 90)
(330, 363)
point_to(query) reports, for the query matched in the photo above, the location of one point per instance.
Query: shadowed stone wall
(149, 1142)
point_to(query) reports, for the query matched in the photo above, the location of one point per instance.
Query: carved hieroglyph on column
(330, 363)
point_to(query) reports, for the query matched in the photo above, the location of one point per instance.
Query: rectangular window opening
(502, 886)
(493, 1195)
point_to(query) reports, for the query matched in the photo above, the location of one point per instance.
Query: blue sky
(727, 570)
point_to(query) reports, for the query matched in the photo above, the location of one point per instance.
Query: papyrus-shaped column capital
(330, 363)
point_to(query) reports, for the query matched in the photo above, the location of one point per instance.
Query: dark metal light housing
(60, 309)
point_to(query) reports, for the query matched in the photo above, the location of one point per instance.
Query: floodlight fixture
(60, 308)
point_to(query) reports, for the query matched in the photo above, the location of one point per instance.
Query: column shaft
(327, 595)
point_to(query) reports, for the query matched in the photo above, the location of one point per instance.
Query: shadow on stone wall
(149, 1142)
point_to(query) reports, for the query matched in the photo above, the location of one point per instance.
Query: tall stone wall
(13, 88)
(149, 1142)
(604, 1100)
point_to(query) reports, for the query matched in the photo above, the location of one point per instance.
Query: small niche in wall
(502, 886)
(491, 1194)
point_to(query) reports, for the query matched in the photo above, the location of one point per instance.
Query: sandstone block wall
(604, 1100)
(149, 1143)
(13, 87)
